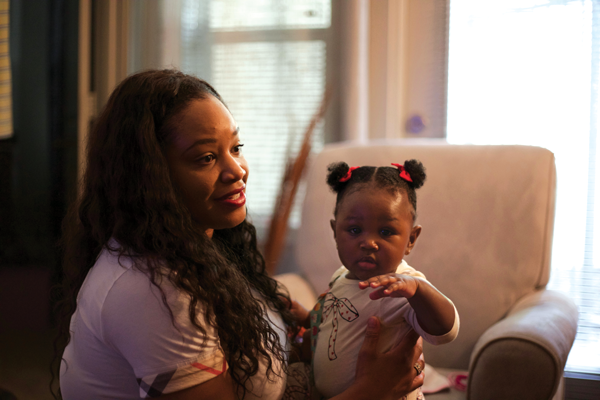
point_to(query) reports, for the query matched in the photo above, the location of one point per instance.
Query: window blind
(267, 59)
(243, 15)
(527, 72)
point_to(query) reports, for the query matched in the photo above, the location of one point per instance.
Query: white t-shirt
(124, 344)
(344, 321)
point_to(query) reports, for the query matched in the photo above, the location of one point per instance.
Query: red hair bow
(348, 175)
(403, 174)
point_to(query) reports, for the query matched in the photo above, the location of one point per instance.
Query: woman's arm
(389, 375)
(435, 312)
(219, 387)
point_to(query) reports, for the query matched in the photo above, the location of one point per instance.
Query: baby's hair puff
(406, 178)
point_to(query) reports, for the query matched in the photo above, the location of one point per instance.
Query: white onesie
(344, 320)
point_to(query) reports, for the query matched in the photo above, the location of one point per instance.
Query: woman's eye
(206, 159)
(238, 148)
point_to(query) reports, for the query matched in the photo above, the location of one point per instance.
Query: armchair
(487, 214)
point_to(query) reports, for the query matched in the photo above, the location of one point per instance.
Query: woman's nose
(233, 170)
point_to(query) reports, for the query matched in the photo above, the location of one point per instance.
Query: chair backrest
(487, 214)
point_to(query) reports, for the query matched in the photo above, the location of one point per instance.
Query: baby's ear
(332, 224)
(414, 234)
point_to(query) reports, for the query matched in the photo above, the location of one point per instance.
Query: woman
(172, 298)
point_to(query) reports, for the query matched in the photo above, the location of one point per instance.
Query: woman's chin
(230, 221)
(239, 217)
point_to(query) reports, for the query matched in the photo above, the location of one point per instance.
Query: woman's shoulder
(119, 284)
(111, 266)
(108, 269)
(125, 278)
(128, 300)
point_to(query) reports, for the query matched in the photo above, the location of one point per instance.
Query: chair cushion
(487, 214)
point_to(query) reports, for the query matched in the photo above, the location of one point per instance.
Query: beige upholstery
(487, 214)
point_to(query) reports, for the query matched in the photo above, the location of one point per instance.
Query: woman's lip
(238, 200)
(232, 193)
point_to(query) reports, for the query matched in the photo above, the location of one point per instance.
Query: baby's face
(373, 230)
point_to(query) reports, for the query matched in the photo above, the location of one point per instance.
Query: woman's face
(207, 166)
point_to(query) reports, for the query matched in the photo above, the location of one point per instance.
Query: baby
(374, 228)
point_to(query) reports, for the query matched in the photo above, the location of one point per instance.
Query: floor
(25, 337)
(25, 357)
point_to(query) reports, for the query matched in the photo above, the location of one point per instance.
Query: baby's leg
(415, 395)
(299, 385)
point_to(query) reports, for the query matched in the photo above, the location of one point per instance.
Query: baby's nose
(369, 245)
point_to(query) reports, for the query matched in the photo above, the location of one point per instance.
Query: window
(527, 72)
(267, 59)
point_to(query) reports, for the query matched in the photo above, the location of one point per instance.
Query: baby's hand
(391, 285)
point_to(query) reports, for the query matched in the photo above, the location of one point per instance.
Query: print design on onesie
(345, 309)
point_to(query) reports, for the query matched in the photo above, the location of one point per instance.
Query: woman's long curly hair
(128, 195)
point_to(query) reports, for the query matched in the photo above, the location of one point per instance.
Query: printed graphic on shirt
(182, 378)
(342, 307)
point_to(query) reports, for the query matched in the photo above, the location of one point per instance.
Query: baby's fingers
(377, 281)
(395, 289)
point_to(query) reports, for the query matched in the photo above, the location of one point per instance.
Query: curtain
(6, 125)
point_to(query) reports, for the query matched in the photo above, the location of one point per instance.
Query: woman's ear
(414, 235)
(332, 224)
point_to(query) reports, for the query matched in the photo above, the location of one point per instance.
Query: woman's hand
(389, 375)
(301, 314)
(391, 285)
(300, 350)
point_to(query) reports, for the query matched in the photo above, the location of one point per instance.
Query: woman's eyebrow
(209, 140)
(200, 142)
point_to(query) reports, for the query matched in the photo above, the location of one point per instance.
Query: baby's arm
(435, 312)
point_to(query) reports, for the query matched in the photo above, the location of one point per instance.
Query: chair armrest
(298, 288)
(524, 355)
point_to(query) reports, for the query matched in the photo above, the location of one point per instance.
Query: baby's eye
(238, 149)
(386, 232)
(354, 230)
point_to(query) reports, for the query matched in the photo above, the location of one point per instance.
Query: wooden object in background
(289, 186)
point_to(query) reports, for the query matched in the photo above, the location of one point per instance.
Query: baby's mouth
(367, 262)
